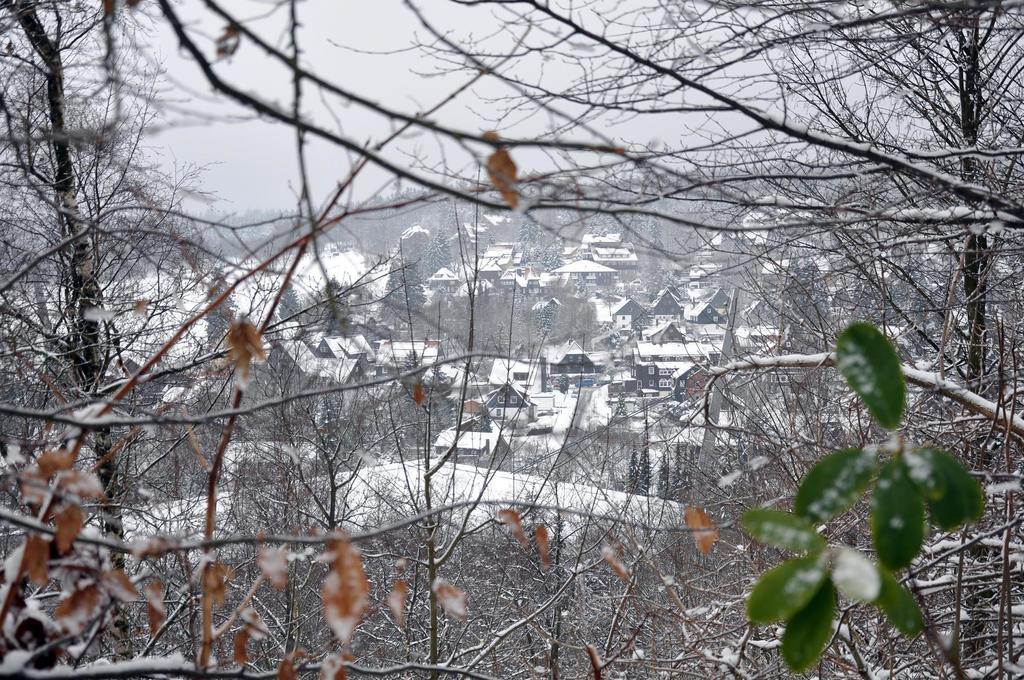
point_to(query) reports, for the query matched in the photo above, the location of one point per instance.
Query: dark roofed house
(665, 333)
(573, 360)
(668, 307)
(626, 312)
(510, 402)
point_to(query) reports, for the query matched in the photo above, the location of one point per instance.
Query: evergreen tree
(631, 473)
(437, 254)
(643, 472)
(665, 477)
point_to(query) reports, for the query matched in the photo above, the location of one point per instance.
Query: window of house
(513, 400)
(665, 371)
(664, 383)
(650, 370)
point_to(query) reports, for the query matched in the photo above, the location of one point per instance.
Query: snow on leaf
(273, 563)
(510, 518)
(612, 558)
(451, 599)
(705, 533)
(396, 601)
(346, 590)
(82, 484)
(119, 586)
(855, 575)
(333, 668)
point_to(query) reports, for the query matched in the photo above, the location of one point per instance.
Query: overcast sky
(364, 46)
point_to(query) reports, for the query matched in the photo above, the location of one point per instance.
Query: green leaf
(870, 365)
(834, 484)
(784, 590)
(953, 496)
(897, 516)
(782, 529)
(899, 606)
(809, 631)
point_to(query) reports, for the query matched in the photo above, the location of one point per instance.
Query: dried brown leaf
(36, 559)
(52, 462)
(346, 591)
(511, 519)
(227, 42)
(142, 304)
(540, 536)
(156, 611)
(215, 581)
(69, 523)
(612, 558)
(119, 586)
(241, 645)
(451, 599)
(245, 345)
(703, 528)
(502, 171)
(396, 601)
(286, 671)
(418, 394)
(75, 611)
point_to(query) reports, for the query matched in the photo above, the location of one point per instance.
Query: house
(654, 365)
(625, 313)
(297, 356)
(504, 255)
(511, 402)
(342, 347)
(479, 439)
(665, 333)
(667, 307)
(587, 274)
(530, 376)
(715, 309)
(394, 356)
(573, 360)
(414, 242)
(608, 250)
(444, 279)
(689, 382)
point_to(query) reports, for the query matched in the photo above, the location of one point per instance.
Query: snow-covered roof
(402, 352)
(628, 302)
(413, 230)
(602, 238)
(649, 351)
(341, 345)
(502, 370)
(469, 439)
(444, 274)
(583, 267)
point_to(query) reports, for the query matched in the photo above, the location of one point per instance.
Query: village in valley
(584, 336)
